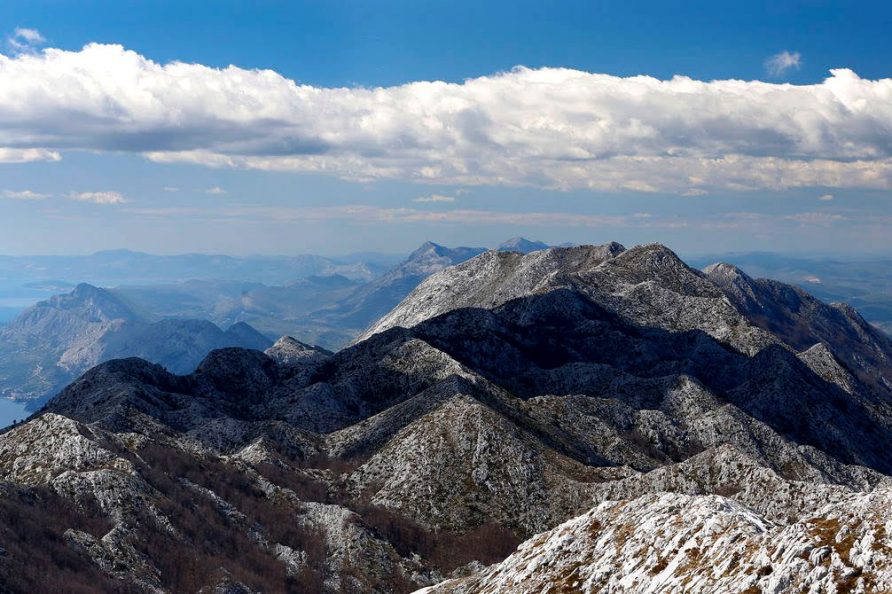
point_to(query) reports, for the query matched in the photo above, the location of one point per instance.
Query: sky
(335, 127)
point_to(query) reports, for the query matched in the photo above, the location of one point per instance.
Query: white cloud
(779, 64)
(23, 195)
(98, 197)
(24, 40)
(434, 198)
(695, 192)
(31, 36)
(825, 197)
(816, 218)
(216, 190)
(550, 127)
(170, 189)
(15, 155)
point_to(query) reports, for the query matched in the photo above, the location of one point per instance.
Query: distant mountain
(273, 310)
(176, 325)
(25, 280)
(521, 245)
(117, 267)
(371, 301)
(326, 310)
(56, 340)
(641, 425)
(861, 281)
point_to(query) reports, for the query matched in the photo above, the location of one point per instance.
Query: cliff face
(503, 397)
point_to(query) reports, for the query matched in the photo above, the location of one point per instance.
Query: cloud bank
(554, 128)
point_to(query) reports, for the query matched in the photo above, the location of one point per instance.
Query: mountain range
(863, 282)
(128, 267)
(56, 340)
(580, 419)
(177, 325)
(24, 280)
(326, 310)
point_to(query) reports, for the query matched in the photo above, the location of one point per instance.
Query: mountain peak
(613, 248)
(94, 303)
(522, 245)
(86, 289)
(244, 335)
(290, 351)
(491, 279)
(431, 257)
(428, 247)
(723, 272)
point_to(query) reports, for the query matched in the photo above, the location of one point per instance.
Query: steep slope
(801, 321)
(56, 340)
(489, 280)
(372, 301)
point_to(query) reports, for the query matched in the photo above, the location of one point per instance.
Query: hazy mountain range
(327, 310)
(326, 305)
(641, 425)
(178, 324)
(129, 267)
(26, 279)
(57, 340)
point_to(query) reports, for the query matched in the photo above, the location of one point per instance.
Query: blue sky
(557, 155)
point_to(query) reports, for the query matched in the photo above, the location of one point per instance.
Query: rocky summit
(580, 419)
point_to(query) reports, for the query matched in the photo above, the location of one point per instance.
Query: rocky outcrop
(291, 352)
(802, 321)
(666, 543)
